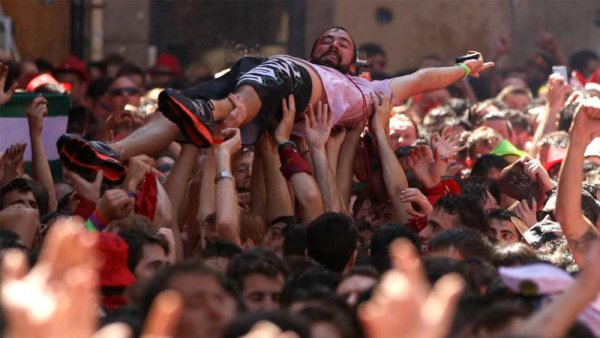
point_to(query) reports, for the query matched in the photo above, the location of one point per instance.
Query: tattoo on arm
(583, 243)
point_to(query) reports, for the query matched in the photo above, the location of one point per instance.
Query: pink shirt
(347, 96)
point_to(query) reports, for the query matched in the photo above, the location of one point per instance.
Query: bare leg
(224, 107)
(151, 138)
(156, 135)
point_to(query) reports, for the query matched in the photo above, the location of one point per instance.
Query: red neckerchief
(583, 80)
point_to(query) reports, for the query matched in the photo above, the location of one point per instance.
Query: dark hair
(256, 260)
(312, 283)
(331, 240)
(82, 121)
(333, 313)
(481, 276)
(136, 240)
(479, 186)
(129, 69)
(99, 87)
(438, 267)
(294, 242)
(11, 240)
(242, 324)
(383, 238)
(221, 248)
(25, 185)
(487, 162)
(43, 65)
(162, 279)
(580, 59)
(371, 49)
(513, 254)
(468, 210)
(468, 242)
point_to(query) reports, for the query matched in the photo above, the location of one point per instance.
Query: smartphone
(561, 70)
(463, 58)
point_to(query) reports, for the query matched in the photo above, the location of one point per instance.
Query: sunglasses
(124, 91)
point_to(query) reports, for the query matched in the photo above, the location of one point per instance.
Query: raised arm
(279, 202)
(429, 79)
(177, 183)
(295, 167)
(227, 208)
(578, 230)
(345, 171)
(318, 128)
(39, 160)
(393, 174)
(556, 318)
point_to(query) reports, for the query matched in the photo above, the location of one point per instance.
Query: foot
(86, 158)
(194, 117)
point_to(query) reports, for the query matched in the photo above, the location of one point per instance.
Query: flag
(14, 128)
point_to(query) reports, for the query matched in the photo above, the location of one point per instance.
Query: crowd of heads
(500, 140)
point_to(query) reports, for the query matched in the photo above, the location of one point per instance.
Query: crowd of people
(321, 198)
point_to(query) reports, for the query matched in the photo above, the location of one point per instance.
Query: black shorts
(273, 79)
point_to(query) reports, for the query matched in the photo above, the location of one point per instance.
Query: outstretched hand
(58, 297)
(284, 129)
(421, 162)
(318, 127)
(36, 111)
(383, 106)
(404, 306)
(5, 96)
(13, 160)
(478, 65)
(448, 144)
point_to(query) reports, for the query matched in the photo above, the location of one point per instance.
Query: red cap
(73, 64)
(114, 271)
(43, 79)
(167, 63)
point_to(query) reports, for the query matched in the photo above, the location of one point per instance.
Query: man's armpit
(583, 243)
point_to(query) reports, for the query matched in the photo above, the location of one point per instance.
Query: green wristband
(465, 67)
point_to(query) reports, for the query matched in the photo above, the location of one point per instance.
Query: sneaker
(194, 117)
(87, 157)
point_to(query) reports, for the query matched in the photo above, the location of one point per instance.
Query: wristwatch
(223, 174)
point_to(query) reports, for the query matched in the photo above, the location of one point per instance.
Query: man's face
(274, 238)
(500, 126)
(262, 293)
(78, 87)
(207, 306)
(503, 231)
(15, 197)
(437, 221)
(376, 63)
(242, 170)
(516, 101)
(123, 91)
(402, 133)
(352, 287)
(153, 259)
(334, 49)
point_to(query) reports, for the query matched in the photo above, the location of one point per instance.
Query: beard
(326, 60)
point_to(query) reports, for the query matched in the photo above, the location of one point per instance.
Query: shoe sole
(86, 161)
(189, 124)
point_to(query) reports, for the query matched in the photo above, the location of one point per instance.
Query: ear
(248, 244)
(351, 261)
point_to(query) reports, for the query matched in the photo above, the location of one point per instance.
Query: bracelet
(465, 67)
(224, 174)
(287, 144)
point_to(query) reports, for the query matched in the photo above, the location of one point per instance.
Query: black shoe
(86, 158)
(194, 117)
